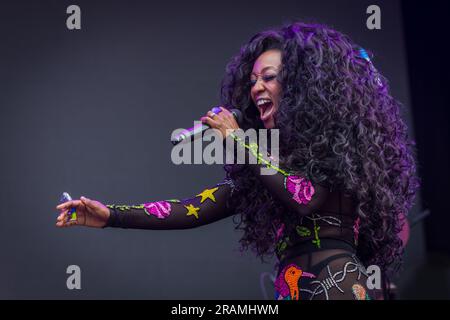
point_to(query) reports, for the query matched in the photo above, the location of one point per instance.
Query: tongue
(266, 109)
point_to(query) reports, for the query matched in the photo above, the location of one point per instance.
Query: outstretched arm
(205, 207)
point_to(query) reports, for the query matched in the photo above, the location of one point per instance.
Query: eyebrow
(265, 68)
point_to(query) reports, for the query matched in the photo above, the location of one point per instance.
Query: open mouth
(265, 107)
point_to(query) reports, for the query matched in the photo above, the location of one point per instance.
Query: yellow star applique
(192, 210)
(208, 194)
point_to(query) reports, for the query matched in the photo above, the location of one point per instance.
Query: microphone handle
(188, 133)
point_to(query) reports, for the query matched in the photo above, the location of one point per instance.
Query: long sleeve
(295, 192)
(205, 207)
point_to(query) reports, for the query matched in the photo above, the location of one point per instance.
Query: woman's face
(265, 88)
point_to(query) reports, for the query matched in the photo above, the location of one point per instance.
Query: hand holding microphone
(221, 119)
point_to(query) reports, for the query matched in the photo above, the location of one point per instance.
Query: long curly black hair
(338, 125)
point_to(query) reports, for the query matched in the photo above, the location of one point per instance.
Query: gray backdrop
(91, 112)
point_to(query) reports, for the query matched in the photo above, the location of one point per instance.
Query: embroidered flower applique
(159, 209)
(301, 189)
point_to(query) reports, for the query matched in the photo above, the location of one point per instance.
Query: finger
(92, 204)
(217, 117)
(211, 114)
(225, 111)
(68, 204)
(228, 114)
(210, 122)
(62, 215)
(220, 117)
(87, 202)
(69, 223)
(61, 222)
(72, 223)
(64, 205)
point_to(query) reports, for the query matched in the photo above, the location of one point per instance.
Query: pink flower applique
(160, 209)
(301, 189)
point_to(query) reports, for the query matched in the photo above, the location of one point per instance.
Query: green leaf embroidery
(303, 231)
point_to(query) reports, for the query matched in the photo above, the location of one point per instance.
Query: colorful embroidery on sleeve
(208, 194)
(160, 209)
(173, 200)
(192, 211)
(124, 207)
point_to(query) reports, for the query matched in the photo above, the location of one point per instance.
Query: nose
(258, 87)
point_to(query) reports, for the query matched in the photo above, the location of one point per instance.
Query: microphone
(200, 128)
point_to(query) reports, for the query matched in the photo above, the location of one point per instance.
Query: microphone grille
(238, 115)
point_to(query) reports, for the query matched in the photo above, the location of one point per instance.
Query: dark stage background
(426, 29)
(91, 112)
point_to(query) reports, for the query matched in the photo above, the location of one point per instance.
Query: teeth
(262, 101)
